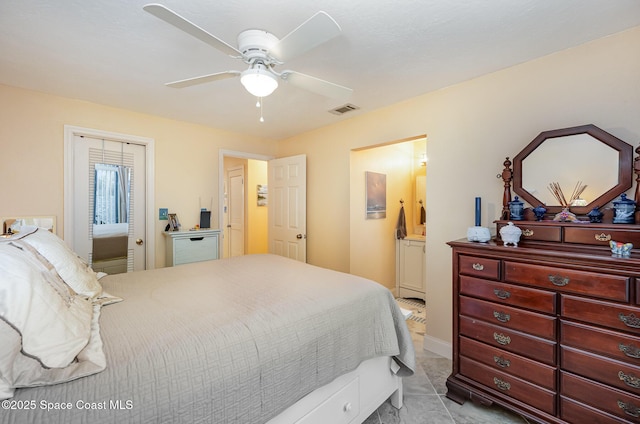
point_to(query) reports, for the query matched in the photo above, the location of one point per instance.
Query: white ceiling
(114, 53)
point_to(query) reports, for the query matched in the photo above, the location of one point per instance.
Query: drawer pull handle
(630, 350)
(501, 294)
(502, 339)
(629, 379)
(196, 238)
(558, 280)
(347, 407)
(477, 267)
(527, 232)
(501, 362)
(501, 316)
(629, 409)
(603, 237)
(501, 384)
(630, 320)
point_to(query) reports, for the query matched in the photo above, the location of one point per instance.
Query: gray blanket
(229, 341)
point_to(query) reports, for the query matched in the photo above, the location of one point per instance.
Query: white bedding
(229, 341)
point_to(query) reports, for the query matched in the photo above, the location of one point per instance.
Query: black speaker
(205, 219)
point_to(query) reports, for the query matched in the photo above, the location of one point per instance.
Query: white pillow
(54, 321)
(71, 268)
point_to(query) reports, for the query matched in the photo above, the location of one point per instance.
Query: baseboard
(438, 346)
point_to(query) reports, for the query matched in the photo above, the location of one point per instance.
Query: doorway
(244, 216)
(373, 245)
(117, 239)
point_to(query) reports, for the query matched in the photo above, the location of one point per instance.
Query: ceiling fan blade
(203, 79)
(314, 31)
(316, 85)
(171, 17)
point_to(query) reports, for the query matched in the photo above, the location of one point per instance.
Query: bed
(252, 339)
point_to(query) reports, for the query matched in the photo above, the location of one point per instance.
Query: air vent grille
(340, 110)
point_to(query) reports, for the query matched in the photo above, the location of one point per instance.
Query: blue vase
(595, 215)
(539, 212)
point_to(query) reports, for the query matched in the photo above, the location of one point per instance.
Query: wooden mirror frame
(625, 166)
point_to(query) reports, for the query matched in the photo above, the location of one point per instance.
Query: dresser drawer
(613, 344)
(613, 315)
(510, 363)
(600, 236)
(605, 286)
(509, 317)
(540, 233)
(574, 412)
(513, 341)
(538, 397)
(480, 267)
(605, 370)
(604, 398)
(508, 294)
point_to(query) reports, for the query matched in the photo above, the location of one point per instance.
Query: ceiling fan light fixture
(258, 81)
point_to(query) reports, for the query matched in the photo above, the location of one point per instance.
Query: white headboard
(48, 222)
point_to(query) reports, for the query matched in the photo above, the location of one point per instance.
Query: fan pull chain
(260, 102)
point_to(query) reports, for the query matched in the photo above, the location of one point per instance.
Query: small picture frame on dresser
(174, 224)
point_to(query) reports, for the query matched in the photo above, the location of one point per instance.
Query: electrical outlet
(163, 214)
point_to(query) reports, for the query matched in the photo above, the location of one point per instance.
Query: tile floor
(424, 395)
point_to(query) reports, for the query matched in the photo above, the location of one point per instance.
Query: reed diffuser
(556, 190)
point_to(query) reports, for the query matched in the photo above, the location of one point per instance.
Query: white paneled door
(287, 185)
(87, 152)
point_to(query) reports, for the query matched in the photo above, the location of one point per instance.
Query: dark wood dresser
(550, 333)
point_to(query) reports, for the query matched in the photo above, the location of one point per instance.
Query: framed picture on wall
(262, 196)
(174, 224)
(376, 195)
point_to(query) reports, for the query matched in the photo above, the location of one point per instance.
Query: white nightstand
(184, 247)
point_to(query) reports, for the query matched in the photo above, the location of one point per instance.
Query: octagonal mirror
(573, 157)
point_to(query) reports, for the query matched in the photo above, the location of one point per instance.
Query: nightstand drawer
(184, 247)
(509, 294)
(514, 318)
(195, 249)
(480, 267)
(605, 286)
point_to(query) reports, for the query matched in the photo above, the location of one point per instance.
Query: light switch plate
(163, 214)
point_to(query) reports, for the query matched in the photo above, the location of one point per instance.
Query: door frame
(222, 153)
(70, 132)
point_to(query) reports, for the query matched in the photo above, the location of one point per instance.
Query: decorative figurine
(620, 249)
(539, 212)
(510, 234)
(624, 210)
(595, 216)
(565, 215)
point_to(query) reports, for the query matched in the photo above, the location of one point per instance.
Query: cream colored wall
(372, 248)
(471, 127)
(256, 215)
(32, 146)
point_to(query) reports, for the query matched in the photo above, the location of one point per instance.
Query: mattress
(228, 341)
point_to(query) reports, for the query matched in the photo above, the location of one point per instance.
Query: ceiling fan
(263, 51)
